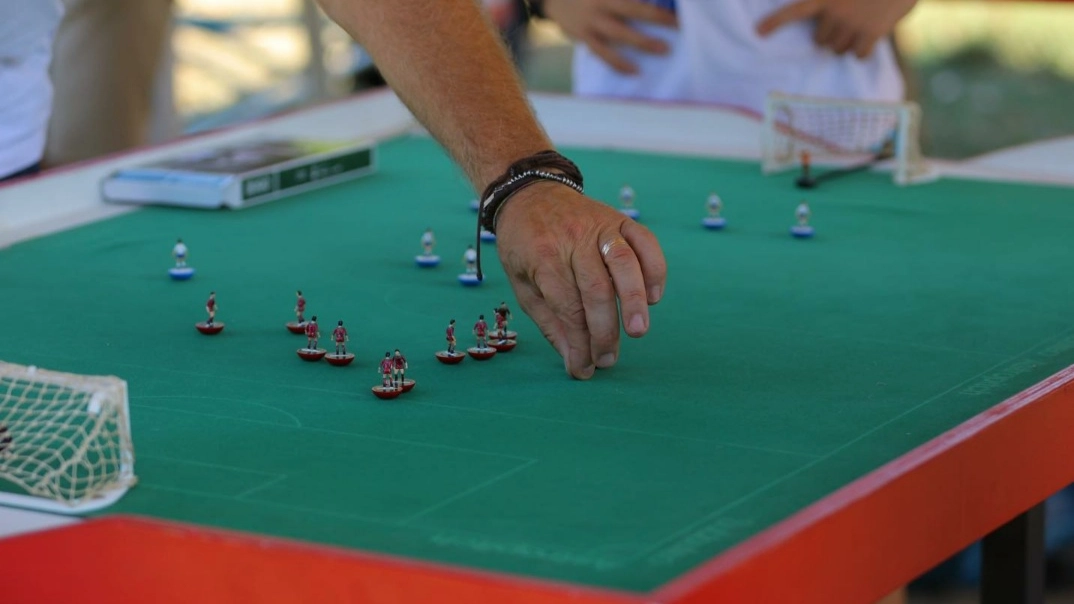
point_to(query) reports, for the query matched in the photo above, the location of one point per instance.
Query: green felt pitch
(776, 370)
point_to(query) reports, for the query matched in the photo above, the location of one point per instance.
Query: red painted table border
(855, 545)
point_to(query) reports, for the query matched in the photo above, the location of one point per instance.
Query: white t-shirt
(717, 57)
(27, 29)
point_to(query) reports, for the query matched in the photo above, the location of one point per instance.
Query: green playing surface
(776, 371)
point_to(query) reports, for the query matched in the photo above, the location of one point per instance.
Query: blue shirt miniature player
(714, 221)
(626, 203)
(180, 272)
(469, 259)
(802, 229)
(427, 258)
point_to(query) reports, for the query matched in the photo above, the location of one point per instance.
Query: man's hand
(452, 71)
(842, 25)
(604, 25)
(569, 258)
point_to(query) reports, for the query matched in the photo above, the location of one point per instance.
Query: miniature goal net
(840, 134)
(65, 440)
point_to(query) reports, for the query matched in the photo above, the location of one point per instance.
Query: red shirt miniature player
(300, 308)
(501, 325)
(339, 334)
(386, 370)
(210, 307)
(805, 179)
(450, 332)
(481, 331)
(398, 368)
(313, 333)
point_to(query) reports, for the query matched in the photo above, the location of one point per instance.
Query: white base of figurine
(475, 205)
(487, 236)
(714, 222)
(802, 231)
(427, 261)
(181, 273)
(631, 213)
(469, 279)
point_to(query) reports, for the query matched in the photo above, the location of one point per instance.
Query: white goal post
(841, 133)
(65, 440)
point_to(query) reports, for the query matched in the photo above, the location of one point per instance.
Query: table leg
(1012, 564)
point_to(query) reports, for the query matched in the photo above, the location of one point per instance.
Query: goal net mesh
(65, 439)
(842, 133)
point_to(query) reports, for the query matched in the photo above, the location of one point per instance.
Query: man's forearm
(444, 61)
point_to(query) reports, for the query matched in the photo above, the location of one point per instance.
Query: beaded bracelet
(521, 174)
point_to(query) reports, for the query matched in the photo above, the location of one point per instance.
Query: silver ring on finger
(610, 245)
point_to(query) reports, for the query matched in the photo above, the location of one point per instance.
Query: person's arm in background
(605, 25)
(842, 25)
(446, 63)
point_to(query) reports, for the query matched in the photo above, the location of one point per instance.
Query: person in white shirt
(732, 52)
(26, 34)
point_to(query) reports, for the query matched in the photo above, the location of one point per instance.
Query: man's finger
(559, 290)
(864, 46)
(824, 32)
(535, 306)
(795, 11)
(635, 10)
(598, 298)
(842, 40)
(622, 265)
(609, 55)
(621, 33)
(654, 268)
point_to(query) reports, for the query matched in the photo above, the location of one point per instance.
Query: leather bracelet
(522, 174)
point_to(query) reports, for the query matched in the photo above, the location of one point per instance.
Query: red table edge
(886, 528)
(135, 559)
(855, 545)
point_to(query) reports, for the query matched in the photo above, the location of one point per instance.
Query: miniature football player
(481, 329)
(398, 369)
(180, 272)
(802, 229)
(501, 324)
(339, 334)
(428, 241)
(715, 204)
(469, 258)
(179, 253)
(470, 278)
(386, 370)
(805, 180)
(300, 308)
(714, 220)
(626, 197)
(450, 333)
(313, 333)
(803, 214)
(210, 307)
(427, 258)
(626, 202)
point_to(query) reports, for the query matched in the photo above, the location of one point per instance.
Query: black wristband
(522, 174)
